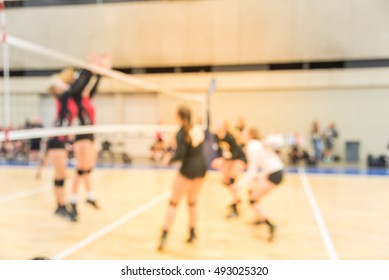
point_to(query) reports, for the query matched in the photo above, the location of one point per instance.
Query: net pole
(207, 102)
(6, 71)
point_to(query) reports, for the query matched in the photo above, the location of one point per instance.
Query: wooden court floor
(355, 210)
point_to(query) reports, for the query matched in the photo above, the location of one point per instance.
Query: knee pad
(81, 172)
(172, 204)
(192, 204)
(89, 171)
(252, 201)
(59, 183)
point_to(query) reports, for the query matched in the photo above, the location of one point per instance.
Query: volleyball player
(189, 151)
(42, 161)
(265, 159)
(231, 162)
(84, 146)
(35, 144)
(63, 87)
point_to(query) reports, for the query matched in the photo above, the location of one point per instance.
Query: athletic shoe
(92, 203)
(74, 211)
(272, 229)
(192, 236)
(64, 213)
(258, 222)
(162, 242)
(234, 211)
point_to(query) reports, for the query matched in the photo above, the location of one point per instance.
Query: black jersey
(192, 158)
(86, 109)
(228, 143)
(67, 109)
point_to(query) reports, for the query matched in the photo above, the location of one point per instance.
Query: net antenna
(211, 90)
(114, 74)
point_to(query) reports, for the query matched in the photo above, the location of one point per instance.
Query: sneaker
(59, 211)
(272, 229)
(192, 236)
(70, 215)
(232, 215)
(258, 222)
(234, 212)
(74, 211)
(64, 213)
(92, 203)
(162, 242)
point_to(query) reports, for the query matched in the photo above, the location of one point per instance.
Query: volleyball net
(130, 110)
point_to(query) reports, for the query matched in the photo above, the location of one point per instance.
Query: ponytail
(185, 115)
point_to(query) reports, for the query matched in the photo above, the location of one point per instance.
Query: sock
(73, 198)
(91, 196)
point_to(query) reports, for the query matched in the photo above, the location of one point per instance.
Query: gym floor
(133, 201)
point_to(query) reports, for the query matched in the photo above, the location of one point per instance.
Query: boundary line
(110, 227)
(318, 216)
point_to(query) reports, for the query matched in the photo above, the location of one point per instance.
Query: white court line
(93, 237)
(319, 218)
(23, 194)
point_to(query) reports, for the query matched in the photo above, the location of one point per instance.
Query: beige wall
(207, 32)
(356, 100)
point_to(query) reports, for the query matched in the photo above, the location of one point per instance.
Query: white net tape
(76, 130)
(116, 75)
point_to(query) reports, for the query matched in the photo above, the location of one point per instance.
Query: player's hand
(105, 62)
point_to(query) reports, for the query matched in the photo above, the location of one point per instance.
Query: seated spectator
(158, 149)
(296, 144)
(106, 146)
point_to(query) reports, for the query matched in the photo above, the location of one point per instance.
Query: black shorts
(194, 168)
(276, 177)
(55, 143)
(90, 137)
(35, 144)
(241, 158)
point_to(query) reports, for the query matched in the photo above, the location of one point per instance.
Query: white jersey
(259, 158)
(276, 141)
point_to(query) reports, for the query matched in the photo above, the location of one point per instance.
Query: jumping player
(63, 87)
(84, 147)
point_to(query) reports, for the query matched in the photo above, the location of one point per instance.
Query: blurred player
(265, 172)
(189, 151)
(85, 151)
(231, 162)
